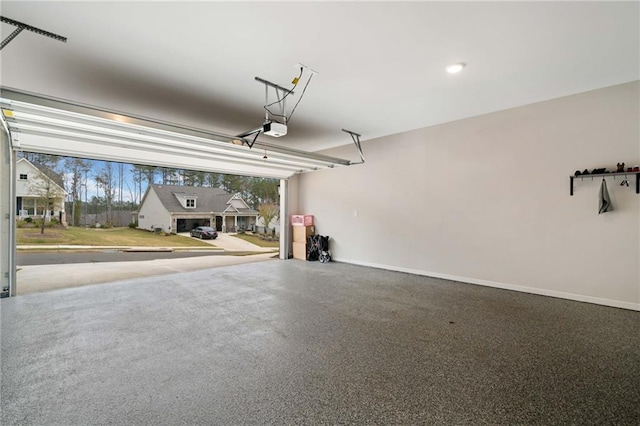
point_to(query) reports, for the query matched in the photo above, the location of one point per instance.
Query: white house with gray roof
(39, 192)
(173, 208)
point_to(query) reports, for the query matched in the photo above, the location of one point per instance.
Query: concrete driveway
(230, 243)
(38, 278)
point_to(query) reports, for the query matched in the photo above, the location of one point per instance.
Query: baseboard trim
(504, 286)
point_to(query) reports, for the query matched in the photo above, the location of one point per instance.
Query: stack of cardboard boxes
(302, 229)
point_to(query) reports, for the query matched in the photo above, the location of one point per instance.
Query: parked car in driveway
(203, 232)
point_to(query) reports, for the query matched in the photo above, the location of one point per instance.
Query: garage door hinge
(6, 216)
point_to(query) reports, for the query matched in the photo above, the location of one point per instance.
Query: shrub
(28, 219)
(21, 223)
(133, 225)
(54, 221)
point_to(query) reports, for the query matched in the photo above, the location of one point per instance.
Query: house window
(23, 176)
(191, 203)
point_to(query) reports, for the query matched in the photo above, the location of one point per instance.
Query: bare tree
(120, 182)
(212, 180)
(137, 183)
(133, 196)
(75, 167)
(48, 160)
(106, 181)
(141, 174)
(170, 176)
(45, 187)
(268, 212)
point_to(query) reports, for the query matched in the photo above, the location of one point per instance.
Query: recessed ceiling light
(455, 68)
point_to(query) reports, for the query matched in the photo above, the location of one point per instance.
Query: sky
(92, 188)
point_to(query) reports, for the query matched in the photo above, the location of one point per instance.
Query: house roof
(207, 199)
(57, 178)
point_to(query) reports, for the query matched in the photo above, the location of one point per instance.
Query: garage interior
(470, 284)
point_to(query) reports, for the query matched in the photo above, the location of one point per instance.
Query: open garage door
(53, 126)
(185, 225)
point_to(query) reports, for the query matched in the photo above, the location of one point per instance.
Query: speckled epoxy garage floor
(291, 342)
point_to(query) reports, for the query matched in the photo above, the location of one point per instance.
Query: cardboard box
(301, 233)
(302, 220)
(300, 251)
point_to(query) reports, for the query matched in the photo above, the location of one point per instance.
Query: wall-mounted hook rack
(604, 175)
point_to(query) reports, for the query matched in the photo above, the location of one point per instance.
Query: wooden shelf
(604, 175)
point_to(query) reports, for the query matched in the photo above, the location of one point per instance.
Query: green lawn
(257, 241)
(104, 237)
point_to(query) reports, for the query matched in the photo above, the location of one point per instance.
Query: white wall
(293, 207)
(23, 186)
(152, 213)
(486, 200)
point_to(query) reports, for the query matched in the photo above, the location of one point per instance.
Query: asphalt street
(228, 244)
(58, 267)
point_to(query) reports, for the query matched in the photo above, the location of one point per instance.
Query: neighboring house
(181, 208)
(274, 225)
(39, 192)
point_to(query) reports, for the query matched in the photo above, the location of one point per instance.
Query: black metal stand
(604, 175)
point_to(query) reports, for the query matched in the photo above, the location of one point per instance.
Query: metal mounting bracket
(356, 140)
(22, 26)
(280, 96)
(242, 137)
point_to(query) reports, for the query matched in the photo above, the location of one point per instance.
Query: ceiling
(380, 65)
